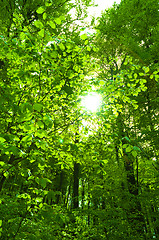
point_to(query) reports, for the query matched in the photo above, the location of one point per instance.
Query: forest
(67, 172)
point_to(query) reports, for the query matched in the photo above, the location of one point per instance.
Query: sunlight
(91, 102)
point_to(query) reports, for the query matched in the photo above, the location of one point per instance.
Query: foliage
(59, 178)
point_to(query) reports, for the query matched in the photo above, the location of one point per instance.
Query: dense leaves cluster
(66, 173)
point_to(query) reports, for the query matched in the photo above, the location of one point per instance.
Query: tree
(59, 178)
(130, 67)
(42, 69)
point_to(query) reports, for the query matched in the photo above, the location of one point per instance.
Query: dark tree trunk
(134, 213)
(83, 193)
(1, 182)
(76, 185)
(61, 180)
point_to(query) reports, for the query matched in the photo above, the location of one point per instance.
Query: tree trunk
(134, 213)
(76, 185)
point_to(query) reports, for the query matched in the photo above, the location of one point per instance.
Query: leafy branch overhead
(66, 172)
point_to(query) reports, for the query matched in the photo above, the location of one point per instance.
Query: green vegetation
(61, 178)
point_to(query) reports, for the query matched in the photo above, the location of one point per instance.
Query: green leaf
(26, 106)
(136, 148)
(101, 82)
(16, 138)
(126, 139)
(40, 10)
(95, 49)
(146, 69)
(13, 149)
(44, 16)
(54, 54)
(38, 24)
(47, 4)
(128, 149)
(125, 145)
(0, 223)
(38, 199)
(40, 124)
(22, 35)
(61, 46)
(6, 174)
(40, 205)
(52, 24)
(42, 144)
(2, 163)
(2, 140)
(83, 36)
(27, 139)
(41, 32)
(38, 107)
(88, 48)
(40, 133)
(77, 49)
(27, 126)
(134, 153)
(48, 121)
(57, 20)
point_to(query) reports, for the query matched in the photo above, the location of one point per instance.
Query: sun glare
(91, 102)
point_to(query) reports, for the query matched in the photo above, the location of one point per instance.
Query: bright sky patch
(91, 102)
